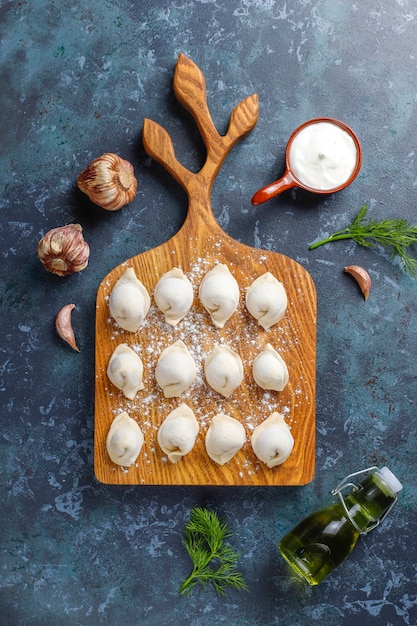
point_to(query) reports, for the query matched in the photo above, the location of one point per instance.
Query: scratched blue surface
(77, 79)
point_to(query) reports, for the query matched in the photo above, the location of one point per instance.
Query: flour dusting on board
(241, 333)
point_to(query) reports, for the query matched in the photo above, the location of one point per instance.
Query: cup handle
(273, 189)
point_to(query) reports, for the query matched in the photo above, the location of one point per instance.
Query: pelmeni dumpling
(175, 370)
(219, 294)
(177, 433)
(125, 370)
(272, 441)
(223, 370)
(124, 440)
(266, 300)
(224, 438)
(129, 301)
(174, 295)
(270, 370)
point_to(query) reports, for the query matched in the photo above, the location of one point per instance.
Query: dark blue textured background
(77, 79)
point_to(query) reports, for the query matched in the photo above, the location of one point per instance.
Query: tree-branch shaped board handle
(190, 90)
(159, 146)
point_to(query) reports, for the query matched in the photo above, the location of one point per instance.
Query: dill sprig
(214, 560)
(395, 235)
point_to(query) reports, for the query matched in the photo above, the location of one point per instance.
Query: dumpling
(224, 438)
(177, 433)
(174, 295)
(124, 440)
(272, 441)
(125, 370)
(270, 370)
(223, 370)
(129, 301)
(219, 294)
(266, 300)
(175, 370)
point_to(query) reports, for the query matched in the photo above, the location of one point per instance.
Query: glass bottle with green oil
(323, 540)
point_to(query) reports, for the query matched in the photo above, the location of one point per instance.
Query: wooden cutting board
(196, 248)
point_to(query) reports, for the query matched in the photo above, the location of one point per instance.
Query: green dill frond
(214, 560)
(395, 235)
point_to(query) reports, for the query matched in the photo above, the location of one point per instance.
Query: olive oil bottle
(323, 540)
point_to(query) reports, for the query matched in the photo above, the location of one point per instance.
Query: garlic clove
(109, 181)
(63, 250)
(64, 327)
(362, 278)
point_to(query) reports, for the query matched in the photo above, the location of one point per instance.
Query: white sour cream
(323, 156)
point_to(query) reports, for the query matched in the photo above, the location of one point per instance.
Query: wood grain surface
(196, 248)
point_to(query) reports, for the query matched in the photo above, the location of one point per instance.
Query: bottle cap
(391, 480)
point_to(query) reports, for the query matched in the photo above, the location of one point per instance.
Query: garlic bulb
(63, 250)
(109, 181)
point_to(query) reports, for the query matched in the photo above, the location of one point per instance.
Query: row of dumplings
(129, 301)
(271, 441)
(176, 370)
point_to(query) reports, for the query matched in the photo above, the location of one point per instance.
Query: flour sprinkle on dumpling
(129, 301)
(174, 295)
(224, 438)
(124, 440)
(219, 294)
(125, 370)
(266, 300)
(175, 369)
(223, 369)
(177, 433)
(272, 441)
(270, 370)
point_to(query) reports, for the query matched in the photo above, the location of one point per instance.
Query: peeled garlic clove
(63, 250)
(362, 278)
(109, 181)
(64, 327)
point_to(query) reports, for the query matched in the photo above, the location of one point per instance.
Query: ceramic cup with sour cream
(323, 155)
